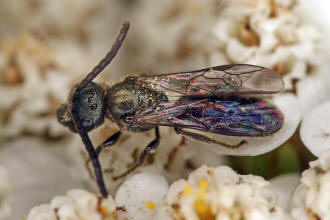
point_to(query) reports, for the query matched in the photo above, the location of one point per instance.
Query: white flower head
(35, 79)
(140, 194)
(220, 193)
(77, 204)
(311, 199)
(279, 35)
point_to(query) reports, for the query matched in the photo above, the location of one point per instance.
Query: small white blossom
(220, 193)
(276, 34)
(140, 194)
(34, 81)
(76, 205)
(311, 199)
(284, 186)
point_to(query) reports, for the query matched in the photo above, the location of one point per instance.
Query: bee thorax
(127, 98)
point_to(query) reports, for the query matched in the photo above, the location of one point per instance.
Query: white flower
(311, 199)
(220, 193)
(284, 186)
(319, 11)
(140, 194)
(78, 205)
(35, 80)
(279, 35)
(315, 130)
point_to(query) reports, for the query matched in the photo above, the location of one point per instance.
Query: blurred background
(48, 46)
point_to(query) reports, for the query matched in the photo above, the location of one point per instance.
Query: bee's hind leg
(151, 146)
(206, 139)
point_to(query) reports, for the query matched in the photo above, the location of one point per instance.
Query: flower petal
(315, 129)
(140, 194)
(284, 186)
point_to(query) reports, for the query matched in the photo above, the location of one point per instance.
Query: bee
(223, 100)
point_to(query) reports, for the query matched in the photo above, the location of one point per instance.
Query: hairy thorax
(125, 100)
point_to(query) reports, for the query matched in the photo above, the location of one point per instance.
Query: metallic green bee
(220, 100)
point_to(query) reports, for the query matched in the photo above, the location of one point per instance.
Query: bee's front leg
(151, 146)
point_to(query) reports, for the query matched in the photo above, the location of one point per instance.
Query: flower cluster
(209, 193)
(78, 205)
(220, 193)
(311, 198)
(34, 79)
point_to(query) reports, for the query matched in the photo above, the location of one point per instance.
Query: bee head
(87, 106)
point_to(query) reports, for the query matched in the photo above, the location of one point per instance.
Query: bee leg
(151, 146)
(173, 153)
(107, 143)
(207, 139)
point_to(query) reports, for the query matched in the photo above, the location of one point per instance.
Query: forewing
(240, 116)
(217, 81)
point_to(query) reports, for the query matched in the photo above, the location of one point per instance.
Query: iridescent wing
(233, 116)
(217, 81)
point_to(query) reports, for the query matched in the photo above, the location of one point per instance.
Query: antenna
(107, 59)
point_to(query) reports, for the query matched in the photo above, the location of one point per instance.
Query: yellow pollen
(203, 185)
(203, 210)
(202, 189)
(103, 210)
(150, 204)
(187, 190)
(201, 195)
